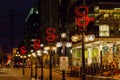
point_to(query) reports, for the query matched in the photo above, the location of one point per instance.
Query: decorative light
(75, 38)
(86, 39)
(101, 47)
(31, 50)
(34, 54)
(42, 45)
(54, 48)
(39, 52)
(68, 44)
(23, 56)
(47, 48)
(59, 44)
(29, 55)
(91, 37)
(80, 37)
(63, 35)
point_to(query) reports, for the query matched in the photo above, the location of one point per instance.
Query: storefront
(110, 52)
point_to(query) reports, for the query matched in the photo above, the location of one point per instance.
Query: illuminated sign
(51, 34)
(36, 44)
(82, 18)
(23, 50)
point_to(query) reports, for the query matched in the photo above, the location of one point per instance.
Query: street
(17, 74)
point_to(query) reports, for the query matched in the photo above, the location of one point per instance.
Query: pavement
(17, 74)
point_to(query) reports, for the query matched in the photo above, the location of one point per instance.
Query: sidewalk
(17, 74)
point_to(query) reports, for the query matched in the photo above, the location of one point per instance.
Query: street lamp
(101, 59)
(37, 55)
(23, 58)
(31, 51)
(51, 48)
(40, 53)
(63, 44)
(83, 38)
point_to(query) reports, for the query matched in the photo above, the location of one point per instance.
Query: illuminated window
(96, 8)
(104, 30)
(106, 15)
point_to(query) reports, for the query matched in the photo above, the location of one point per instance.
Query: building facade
(106, 30)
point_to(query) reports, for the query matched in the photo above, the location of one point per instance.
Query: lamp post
(63, 44)
(36, 66)
(31, 64)
(101, 59)
(23, 60)
(83, 56)
(42, 61)
(82, 20)
(38, 56)
(83, 38)
(51, 49)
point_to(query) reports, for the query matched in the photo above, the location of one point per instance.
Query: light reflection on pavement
(17, 74)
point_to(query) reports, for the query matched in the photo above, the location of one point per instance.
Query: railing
(90, 77)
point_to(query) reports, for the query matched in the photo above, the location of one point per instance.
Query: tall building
(32, 30)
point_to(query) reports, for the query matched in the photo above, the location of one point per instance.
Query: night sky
(12, 20)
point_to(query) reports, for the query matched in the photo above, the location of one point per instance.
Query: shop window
(103, 30)
(96, 8)
(106, 16)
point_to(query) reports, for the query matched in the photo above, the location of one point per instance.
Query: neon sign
(36, 44)
(82, 18)
(51, 34)
(23, 50)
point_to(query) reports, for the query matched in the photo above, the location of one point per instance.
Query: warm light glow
(38, 51)
(39, 54)
(63, 35)
(68, 44)
(54, 48)
(34, 54)
(86, 39)
(31, 50)
(75, 38)
(47, 48)
(101, 47)
(29, 55)
(59, 44)
(45, 51)
(25, 56)
(42, 45)
(91, 37)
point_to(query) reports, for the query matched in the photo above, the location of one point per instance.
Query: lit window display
(110, 55)
(104, 30)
